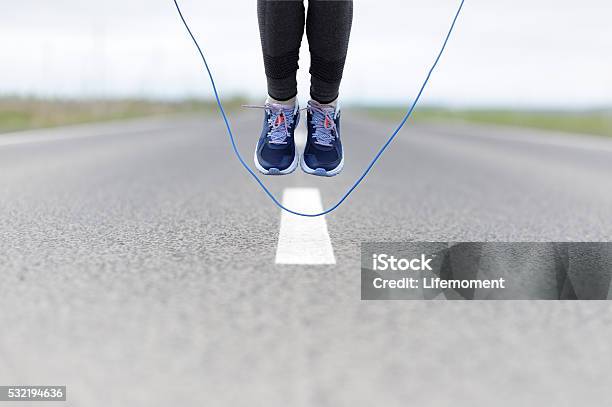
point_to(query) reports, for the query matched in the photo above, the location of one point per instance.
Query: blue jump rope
(374, 160)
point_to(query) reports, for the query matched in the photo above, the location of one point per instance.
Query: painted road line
(120, 128)
(303, 240)
(75, 131)
(531, 136)
(300, 138)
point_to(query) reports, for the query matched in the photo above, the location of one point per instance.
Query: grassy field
(22, 113)
(597, 122)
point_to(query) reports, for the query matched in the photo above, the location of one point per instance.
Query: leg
(281, 26)
(328, 28)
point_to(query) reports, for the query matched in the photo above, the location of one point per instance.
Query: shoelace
(279, 122)
(324, 124)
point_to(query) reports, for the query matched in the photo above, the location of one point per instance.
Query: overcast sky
(518, 53)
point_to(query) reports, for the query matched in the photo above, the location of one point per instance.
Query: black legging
(328, 28)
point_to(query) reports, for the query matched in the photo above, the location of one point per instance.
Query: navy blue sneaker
(323, 154)
(275, 153)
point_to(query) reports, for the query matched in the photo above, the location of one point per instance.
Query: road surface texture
(138, 268)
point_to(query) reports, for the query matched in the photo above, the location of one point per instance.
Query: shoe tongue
(327, 123)
(280, 119)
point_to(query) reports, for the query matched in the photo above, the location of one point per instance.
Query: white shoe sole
(320, 172)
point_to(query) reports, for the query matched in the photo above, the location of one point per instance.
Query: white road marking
(75, 131)
(300, 138)
(527, 135)
(112, 128)
(303, 240)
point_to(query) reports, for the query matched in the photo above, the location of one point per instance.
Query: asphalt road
(138, 268)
